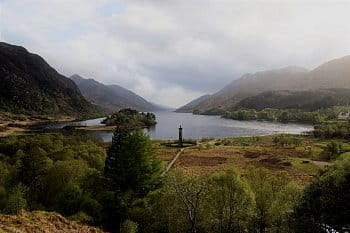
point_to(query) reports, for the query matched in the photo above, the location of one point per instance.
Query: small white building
(344, 115)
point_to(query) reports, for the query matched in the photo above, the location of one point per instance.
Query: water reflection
(198, 126)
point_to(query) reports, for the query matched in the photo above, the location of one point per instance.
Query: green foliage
(16, 201)
(121, 190)
(225, 202)
(275, 197)
(326, 201)
(129, 227)
(50, 172)
(338, 129)
(131, 171)
(284, 140)
(231, 203)
(131, 163)
(284, 116)
(333, 150)
(81, 217)
(131, 118)
(310, 100)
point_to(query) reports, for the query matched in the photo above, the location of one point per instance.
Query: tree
(131, 170)
(333, 150)
(131, 164)
(275, 196)
(186, 195)
(326, 201)
(284, 117)
(16, 201)
(230, 201)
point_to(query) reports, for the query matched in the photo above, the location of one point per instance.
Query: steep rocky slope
(29, 85)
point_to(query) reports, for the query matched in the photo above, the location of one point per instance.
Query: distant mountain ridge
(188, 107)
(30, 85)
(332, 74)
(111, 97)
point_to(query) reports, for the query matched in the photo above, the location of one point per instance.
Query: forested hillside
(332, 74)
(29, 85)
(305, 100)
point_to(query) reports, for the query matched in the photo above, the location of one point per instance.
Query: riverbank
(18, 123)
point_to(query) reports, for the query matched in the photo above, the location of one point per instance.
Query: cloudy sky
(171, 51)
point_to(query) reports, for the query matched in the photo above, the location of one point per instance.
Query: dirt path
(172, 162)
(321, 163)
(180, 152)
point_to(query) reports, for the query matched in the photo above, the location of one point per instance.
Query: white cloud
(181, 48)
(175, 95)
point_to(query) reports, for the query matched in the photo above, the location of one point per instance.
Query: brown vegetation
(41, 222)
(243, 153)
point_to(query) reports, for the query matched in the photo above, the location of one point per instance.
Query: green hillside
(31, 86)
(305, 100)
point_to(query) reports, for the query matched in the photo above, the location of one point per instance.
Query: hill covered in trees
(29, 85)
(131, 118)
(332, 74)
(305, 100)
(111, 97)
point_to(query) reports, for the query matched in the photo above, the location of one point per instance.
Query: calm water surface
(196, 127)
(199, 126)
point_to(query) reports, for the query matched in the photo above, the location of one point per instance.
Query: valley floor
(301, 159)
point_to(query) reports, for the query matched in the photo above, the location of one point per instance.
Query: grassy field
(302, 157)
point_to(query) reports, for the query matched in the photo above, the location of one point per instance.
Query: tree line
(119, 188)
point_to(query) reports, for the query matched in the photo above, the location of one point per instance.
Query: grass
(243, 153)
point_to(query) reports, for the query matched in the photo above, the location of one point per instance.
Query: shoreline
(11, 123)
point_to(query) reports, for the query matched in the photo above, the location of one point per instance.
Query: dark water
(198, 126)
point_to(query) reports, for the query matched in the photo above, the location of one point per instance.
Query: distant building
(344, 115)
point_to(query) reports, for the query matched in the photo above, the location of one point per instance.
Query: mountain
(306, 100)
(29, 85)
(332, 74)
(111, 97)
(188, 107)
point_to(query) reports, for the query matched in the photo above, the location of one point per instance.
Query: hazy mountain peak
(111, 97)
(332, 74)
(193, 103)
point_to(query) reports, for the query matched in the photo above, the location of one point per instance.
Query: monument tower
(180, 137)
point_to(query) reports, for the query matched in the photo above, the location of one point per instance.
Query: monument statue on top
(180, 137)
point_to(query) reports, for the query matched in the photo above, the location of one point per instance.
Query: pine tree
(131, 164)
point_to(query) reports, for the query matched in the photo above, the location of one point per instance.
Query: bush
(129, 227)
(326, 201)
(16, 201)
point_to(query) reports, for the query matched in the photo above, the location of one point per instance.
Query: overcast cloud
(171, 51)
